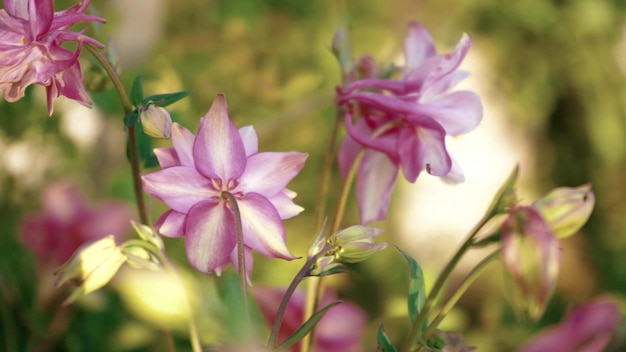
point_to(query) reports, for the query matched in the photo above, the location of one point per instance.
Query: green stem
(132, 136)
(462, 288)
(241, 259)
(271, 343)
(316, 286)
(414, 333)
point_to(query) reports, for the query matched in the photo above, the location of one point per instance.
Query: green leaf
(130, 119)
(136, 92)
(384, 344)
(417, 288)
(306, 327)
(166, 99)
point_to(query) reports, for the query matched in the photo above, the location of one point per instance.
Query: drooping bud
(566, 209)
(531, 255)
(356, 243)
(156, 121)
(91, 267)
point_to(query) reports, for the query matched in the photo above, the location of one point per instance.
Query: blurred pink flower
(531, 255)
(588, 328)
(341, 329)
(31, 34)
(403, 123)
(66, 222)
(196, 173)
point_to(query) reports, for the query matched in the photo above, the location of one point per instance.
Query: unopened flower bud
(356, 243)
(156, 121)
(91, 267)
(566, 209)
(147, 234)
(531, 255)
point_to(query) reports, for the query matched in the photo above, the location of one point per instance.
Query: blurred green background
(553, 70)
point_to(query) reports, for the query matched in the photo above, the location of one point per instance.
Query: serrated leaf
(130, 120)
(384, 344)
(136, 92)
(417, 288)
(306, 327)
(166, 99)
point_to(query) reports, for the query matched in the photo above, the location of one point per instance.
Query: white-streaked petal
(171, 224)
(269, 173)
(167, 157)
(376, 178)
(179, 187)
(283, 202)
(418, 45)
(210, 235)
(262, 227)
(183, 140)
(249, 139)
(219, 152)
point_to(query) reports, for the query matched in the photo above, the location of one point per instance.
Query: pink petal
(18, 8)
(442, 86)
(348, 152)
(183, 141)
(423, 148)
(249, 139)
(455, 175)
(167, 157)
(385, 143)
(179, 187)
(457, 112)
(219, 152)
(376, 178)
(418, 45)
(209, 235)
(262, 227)
(171, 224)
(269, 173)
(40, 13)
(283, 202)
(450, 62)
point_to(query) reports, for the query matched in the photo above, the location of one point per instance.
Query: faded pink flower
(531, 255)
(403, 123)
(66, 222)
(588, 328)
(198, 170)
(341, 329)
(31, 52)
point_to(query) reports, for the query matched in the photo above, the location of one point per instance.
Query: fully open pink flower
(341, 329)
(31, 35)
(66, 222)
(588, 328)
(196, 173)
(403, 123)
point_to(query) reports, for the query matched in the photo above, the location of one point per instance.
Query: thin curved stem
(415, 331)
(290, 290)
(132, 133)
(241, 259)
(461, 289)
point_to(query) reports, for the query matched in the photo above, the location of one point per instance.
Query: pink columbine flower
(196, 173)
(31, 35)
(531, 255)
(403, 123)
(66, 222)
(588, 328)
(341, 329)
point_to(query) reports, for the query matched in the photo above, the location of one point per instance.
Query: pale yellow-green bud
(147, 234)
(156, 121)
(566, 209)
(356, 243)
(91, 267)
